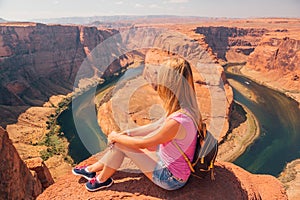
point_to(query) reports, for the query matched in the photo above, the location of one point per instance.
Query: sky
(25, 10)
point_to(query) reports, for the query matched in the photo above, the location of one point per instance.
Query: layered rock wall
(231, 44)
(38, 61)
(275, 62)
(271, 56)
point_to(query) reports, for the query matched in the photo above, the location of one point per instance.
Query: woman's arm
(167, 133)
(146, 129)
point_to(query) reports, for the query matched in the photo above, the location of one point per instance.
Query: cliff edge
(232, 182)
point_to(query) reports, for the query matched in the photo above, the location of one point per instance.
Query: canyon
(269, 53)
(39, 61)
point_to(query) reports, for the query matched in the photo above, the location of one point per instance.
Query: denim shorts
(165, 179)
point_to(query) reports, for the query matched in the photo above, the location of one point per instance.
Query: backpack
(205, 153)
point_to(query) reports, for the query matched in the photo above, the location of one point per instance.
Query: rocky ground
(231, 182)
(291, 172)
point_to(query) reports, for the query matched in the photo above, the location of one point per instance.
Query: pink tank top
(171, 156)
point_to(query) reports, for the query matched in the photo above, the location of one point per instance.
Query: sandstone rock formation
(38, 61)
(231, 182)
(17, 182)
(28, 136)
(274, 61)
(43, 174)
(59, 51)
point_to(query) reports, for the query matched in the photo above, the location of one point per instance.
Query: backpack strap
(190, 164)
(178, 147)
(184, 156)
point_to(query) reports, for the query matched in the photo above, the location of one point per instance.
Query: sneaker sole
(96, 189)
(81, 175)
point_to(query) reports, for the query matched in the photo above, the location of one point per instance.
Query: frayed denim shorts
(165, 179)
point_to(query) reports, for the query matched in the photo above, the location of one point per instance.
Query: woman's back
(170, 155)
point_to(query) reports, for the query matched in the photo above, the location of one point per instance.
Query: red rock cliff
(276, 63)
(271, 55)
(231, 43)
(17, 182)
(38, 61)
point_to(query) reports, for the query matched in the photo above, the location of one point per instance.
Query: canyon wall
(231, 44)
(38, 61)
(275, 62)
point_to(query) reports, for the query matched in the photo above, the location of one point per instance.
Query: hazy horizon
(16, 10)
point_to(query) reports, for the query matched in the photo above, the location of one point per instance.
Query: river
(81, 109)
(279, 121)
(278, 116)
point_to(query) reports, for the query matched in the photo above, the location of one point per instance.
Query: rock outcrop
(290, 177)
(43, 174)
(231, 182)
(17, 181)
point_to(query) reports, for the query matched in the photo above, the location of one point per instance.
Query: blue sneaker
(80, 171)
(94, 185)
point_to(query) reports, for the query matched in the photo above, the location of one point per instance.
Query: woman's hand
(112, 137)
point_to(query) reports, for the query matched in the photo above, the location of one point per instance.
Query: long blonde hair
(175, 86)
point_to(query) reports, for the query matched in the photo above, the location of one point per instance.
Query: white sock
(98, 180)
(86, 169)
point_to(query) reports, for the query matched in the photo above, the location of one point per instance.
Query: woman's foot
(82, 171)
(94, 184)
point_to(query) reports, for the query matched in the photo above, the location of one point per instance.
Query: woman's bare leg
(113, 159)
(106, 173)
(96, 167)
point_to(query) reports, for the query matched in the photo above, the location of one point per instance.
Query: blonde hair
(175, 86)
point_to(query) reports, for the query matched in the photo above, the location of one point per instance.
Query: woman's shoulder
(181, 116)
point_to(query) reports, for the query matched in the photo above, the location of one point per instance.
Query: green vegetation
(54, 140)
